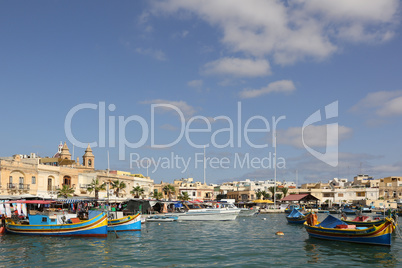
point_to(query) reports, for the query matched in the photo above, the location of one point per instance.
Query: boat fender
(279, 233)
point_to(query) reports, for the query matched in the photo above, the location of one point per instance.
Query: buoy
(159, 224)
(280, 233)
(265, 219)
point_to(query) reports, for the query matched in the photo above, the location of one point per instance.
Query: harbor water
(245, 242)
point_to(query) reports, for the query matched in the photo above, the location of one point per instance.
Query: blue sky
(207, 59)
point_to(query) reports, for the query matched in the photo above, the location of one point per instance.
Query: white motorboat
(197, 212)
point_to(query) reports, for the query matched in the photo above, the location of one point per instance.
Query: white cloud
(314, 136)
(154, 53)
(282, 86)
(187, 110)
(381, 104)
(290, 31)
(195, 83)
(238, 67)
(391, 107)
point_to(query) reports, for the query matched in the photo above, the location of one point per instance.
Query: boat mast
(204, 164)
(275, 172)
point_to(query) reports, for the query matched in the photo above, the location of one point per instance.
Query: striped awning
(70, 201)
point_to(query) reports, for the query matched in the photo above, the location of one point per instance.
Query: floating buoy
(265, 219)
(159, 224)
(280, 233)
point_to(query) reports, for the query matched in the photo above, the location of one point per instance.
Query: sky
(151, 85)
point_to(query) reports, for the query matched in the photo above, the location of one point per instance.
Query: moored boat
(197, 212)
(296, 217)
(334, 229)
(95, 227)
(161, 218)
(128, 223)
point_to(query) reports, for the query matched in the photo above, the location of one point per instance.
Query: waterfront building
(391, 188)
(34, 176)
(195, 189)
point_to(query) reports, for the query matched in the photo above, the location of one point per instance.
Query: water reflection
(333, 251)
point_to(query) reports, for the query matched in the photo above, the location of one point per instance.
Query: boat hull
(375, 235)
(228, 215)
(129, 223)
(366, 223)
(95, 227)
(296, 220)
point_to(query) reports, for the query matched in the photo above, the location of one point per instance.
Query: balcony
(84, 186)
(23, 187)
(53, 188)
(12, 186)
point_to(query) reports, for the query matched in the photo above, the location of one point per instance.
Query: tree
(157, 195)
(258, 194)
(278, 196)
(65, 191)
(272, 190)
(137, 191)
(285, 191)
(96, 186)
(117, 186)
(266, 195)
(184, 196)
(169, 190)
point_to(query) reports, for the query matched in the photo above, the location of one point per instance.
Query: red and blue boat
(334, 229)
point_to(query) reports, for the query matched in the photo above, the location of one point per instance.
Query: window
(10, 180)
(33, 180)
(67, 180)
(89, 162)
(340, 195)
(21, 180)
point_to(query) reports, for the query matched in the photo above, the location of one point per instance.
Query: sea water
(245, 242)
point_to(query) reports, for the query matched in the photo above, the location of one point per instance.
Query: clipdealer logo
(238, 135)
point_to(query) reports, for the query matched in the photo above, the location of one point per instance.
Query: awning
(71, 201)
(263, 201)
(43, 202)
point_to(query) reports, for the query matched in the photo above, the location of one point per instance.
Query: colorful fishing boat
(290, 208)
(362, 221)
(129, 223)
(52, 222)
(95, 227)
(296, 217)
(334, 229)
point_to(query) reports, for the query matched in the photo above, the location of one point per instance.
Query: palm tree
(265, 195)
(184, 196)
(137, 191)
(97, 187)
(157, 195)
(258, 194)
(65, 191)
(117, 186)
(285, 191)
(169, 190)
(272, 190)
(278, 196)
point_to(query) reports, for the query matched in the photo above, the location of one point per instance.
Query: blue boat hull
(129, 223)
(375, 235)
(96, 227)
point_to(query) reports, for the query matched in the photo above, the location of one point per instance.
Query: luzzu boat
(96, 227)
(296, 217)
(129, 223)
(364, 221)
(334, 229)
(55, 223)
